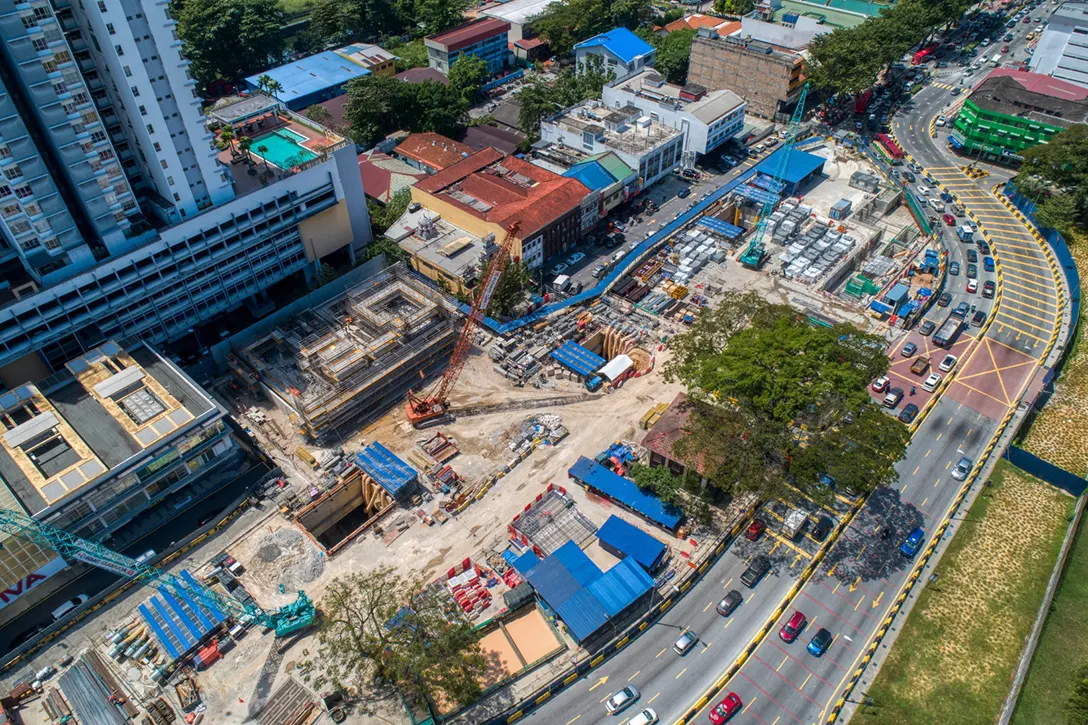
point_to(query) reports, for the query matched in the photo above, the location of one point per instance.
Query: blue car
(988, 264)
(946, 197)
(819, 643)
(913, 542)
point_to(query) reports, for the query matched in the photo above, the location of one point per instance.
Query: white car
(931, 382)
(68, 606)
(558, 269)
(947, 363)
(621, 700)
(941, 120)
(880, 384)
(575, 258)
(760, 148)
(972, 285)
(923, 190)
(646, 717)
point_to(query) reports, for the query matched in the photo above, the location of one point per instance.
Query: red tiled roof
(381, 173)
(1043, 85)
(535, 206)
(433, 149)
(669, 429)
(698, 20)
(469, 33)
(529, 43)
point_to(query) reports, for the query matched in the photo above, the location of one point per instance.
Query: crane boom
(756, 252)
(289, 619)
(434, 407)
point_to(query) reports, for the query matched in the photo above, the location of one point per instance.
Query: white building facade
(1062, 50)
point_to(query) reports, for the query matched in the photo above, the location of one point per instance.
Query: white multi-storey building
(707, 119)
(118, 215)
(1062, 50)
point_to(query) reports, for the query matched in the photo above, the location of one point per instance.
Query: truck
(949, 330)
(920, 365)
(966, 233)
(794, 523)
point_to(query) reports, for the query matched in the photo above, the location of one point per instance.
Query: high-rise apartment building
(119, 217)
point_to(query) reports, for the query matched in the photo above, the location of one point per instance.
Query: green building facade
(995, 135)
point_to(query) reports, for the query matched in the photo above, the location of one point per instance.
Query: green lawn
(290, 7)
(1063, 646)
(955, 656)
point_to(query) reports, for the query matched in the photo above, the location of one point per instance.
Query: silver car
(621, 700)
(962, 469)
(686, 642)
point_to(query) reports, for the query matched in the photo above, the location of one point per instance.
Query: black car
(909, 412)
(972, 271)
(684, 194)
(731, 601)
(988, 288)
(983, 247)
(972, 256)
(927, 328)
(755, 572)
(822, 528)
(961, 310)
(954, 269)
(908, 176)
(978, 319)
(944, 300)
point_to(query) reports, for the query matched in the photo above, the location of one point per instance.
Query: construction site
(333, 367)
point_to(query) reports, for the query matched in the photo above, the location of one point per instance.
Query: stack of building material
(88, 697)
(469, 588)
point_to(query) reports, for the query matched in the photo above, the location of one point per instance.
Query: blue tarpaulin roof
(592, 174)
(584, 597)
(312, 74)
(618, 488)
(391, 473)
(881, 307)
(756, 194)
(621, 42)
(574, 357)
(801, 164)
(632, 541)
(727, 230)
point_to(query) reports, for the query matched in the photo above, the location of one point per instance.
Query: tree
(326, 273)
(328, 20)
(226, 137)
(372, 108)
(672, 15)
(229, 38)
(432, 106)
(540, 99)
(673, 53)
(319, 113)
(244, 144)
(385, 245)
(736, 8)
(263, 151)
(566, 23)
(383, 217)
(777, 400)
(661, 482)
(1055, 174)
(511, 290)
(410, 55)
(1076, 708)
(377, 626)
(467, 75)
(438, 15)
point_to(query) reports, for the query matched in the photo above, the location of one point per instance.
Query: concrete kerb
(561, 682)
(732, 670)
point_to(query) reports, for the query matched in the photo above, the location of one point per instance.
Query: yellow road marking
(662, 652)
(682, 672)
(784, 661)
(648, 701)
(634, 676)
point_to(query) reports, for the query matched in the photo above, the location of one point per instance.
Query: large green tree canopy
(379, 104)
(777, 400)
(230, 39)
(563, 24)
(1055, 174)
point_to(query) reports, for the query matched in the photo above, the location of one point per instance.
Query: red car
(725, 709)
(793, 627)
(1004, 49)
(949, 220)
(755, 530)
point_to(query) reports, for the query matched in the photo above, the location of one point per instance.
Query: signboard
(89, 557)
(28, 582)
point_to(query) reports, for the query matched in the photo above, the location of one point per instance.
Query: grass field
(1063, 646)
(291, 7)
(953, 661)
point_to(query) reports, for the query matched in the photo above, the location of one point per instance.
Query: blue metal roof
(632, 541)
(391, 473)
(574, 560)
(620, 586)
(583, 614)
(312, 74)
(526, 562)
(592, 174)
(757, 195)
(574, 357)
(617, 487)
(800, 166)
(621, 42)
(180, 622)
(730, 231)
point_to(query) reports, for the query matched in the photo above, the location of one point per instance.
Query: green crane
(756, 252)
(286, 620)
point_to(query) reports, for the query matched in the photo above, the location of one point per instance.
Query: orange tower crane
(433, 408)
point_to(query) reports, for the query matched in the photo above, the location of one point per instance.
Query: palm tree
(263, 151)
(273, 87)
(227, 135)
(262, 82)
(243, 145)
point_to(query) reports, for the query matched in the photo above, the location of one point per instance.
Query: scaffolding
(351, 358)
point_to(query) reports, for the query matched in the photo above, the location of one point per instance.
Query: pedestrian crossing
(946, 86)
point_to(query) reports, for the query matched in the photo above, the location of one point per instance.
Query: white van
(68, 606)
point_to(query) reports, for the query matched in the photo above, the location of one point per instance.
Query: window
(101, 6)
(156, 145)
(39, 44)
(119, 50)
(128, 71)
(143, 111)
(30, 244)
(53, 243)
(163, 163)
(13, 172)
(170, 180)
(150, 128)
(10, 210)
(63, 56)
(49, 66)
(20, 227)
(110, 30)
(31, 22)
(135, 92)
(23, 191)
(5, 153)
